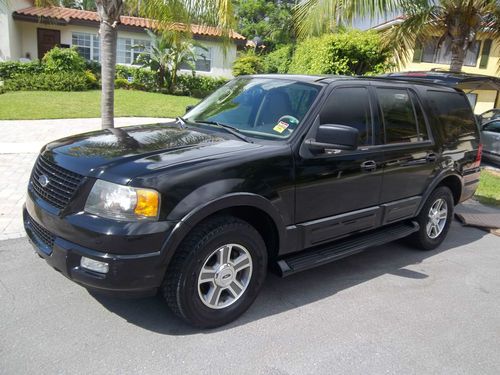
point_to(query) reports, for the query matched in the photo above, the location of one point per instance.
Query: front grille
(42, 234)
(61, 186)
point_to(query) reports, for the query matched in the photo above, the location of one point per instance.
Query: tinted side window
(453, 114)
(398, 115)
(350, 106)
(493, 127)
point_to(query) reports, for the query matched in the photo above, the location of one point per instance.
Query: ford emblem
(43, 180)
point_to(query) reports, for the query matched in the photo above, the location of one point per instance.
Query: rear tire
(216, 273)
(434, 220)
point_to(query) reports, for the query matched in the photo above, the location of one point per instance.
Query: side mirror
(336, 137)
(189, 107)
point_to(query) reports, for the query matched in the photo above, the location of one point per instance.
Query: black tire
(180, 286)
(421, 239)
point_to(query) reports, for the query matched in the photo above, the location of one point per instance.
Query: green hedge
(60, 81)
(350, 53)
(36, 76)
(8, 69)
(198, 86)
(248, 63)
(278, 61)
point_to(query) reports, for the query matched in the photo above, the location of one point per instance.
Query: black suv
(285, 172)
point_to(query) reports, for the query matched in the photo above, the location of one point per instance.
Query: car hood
(120, 154)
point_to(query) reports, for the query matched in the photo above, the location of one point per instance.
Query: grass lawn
(31, 105)
(488, 191)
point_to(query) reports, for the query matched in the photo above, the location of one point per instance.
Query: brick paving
(20, 143)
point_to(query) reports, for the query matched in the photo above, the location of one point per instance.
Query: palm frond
(422, 21)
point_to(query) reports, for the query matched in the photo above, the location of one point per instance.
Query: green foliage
(278, 61)
(142, 79)
(91, 79)
(198, 86)
(270, 20)
(8, 69)
(122, 83)
(59, 81)
(248, 63)
(348, 53)
(94, 67)
(63, 60)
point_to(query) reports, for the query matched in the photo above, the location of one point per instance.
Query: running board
(343, 248)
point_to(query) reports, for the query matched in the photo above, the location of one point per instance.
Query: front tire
(434, 220)
(216, 273)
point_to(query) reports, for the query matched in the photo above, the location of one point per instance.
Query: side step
(342, 248)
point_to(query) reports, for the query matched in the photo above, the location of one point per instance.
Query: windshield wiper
(230, 129)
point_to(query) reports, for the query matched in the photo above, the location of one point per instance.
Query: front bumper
(135, 256)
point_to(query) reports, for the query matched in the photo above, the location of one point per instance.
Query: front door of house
(47, 39)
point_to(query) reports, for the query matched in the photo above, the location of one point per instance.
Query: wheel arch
(254, 209)
(449, 179)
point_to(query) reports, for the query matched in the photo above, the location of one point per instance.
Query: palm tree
(456, 21)
(215, 12)
(170, 50)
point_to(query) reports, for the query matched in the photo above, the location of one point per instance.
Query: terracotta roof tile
(67, 15)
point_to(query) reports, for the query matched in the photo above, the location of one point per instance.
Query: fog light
(94, 265)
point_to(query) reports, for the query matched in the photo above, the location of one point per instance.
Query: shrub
(248, 63)
(63, 60)
(122, 83)
(278, 61)
(60, 81)
(142, 79)
(91, 79)
(350, 52)
(8, 69)
(94, 67)
(197, 86)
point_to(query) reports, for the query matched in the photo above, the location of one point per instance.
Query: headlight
(120, 202)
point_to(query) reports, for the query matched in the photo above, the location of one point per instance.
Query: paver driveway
(389, 310)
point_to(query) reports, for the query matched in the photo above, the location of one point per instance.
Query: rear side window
(453, 114)
(350, 106)
(402, 116)
(492, 127)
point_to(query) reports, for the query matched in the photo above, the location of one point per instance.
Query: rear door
(410, 155)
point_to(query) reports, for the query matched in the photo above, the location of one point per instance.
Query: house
(483, 58)
(28, 32)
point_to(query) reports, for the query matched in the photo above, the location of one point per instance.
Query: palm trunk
(108, 63)
(457, 55)
(109, 14)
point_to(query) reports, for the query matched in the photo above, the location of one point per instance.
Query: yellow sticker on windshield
(281, 127)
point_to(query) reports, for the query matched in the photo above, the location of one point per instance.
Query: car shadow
(282, 294)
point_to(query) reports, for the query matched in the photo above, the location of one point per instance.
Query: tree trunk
(457, 55)
(109, 13)
(108, 63)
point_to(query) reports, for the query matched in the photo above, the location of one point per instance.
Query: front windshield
(261, 107)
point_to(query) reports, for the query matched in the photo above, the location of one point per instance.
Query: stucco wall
(221, 65)
(10, 33)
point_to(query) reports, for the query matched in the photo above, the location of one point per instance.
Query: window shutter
(485, 54)
(417, 53)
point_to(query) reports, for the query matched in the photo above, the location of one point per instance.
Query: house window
(203, 62)
(442, 55)
(87, 45)
(128, 50)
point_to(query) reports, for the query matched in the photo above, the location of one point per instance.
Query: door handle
(431, 157)
(369, 165)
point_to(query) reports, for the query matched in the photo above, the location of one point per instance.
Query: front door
(338, 192)
(47, 39)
